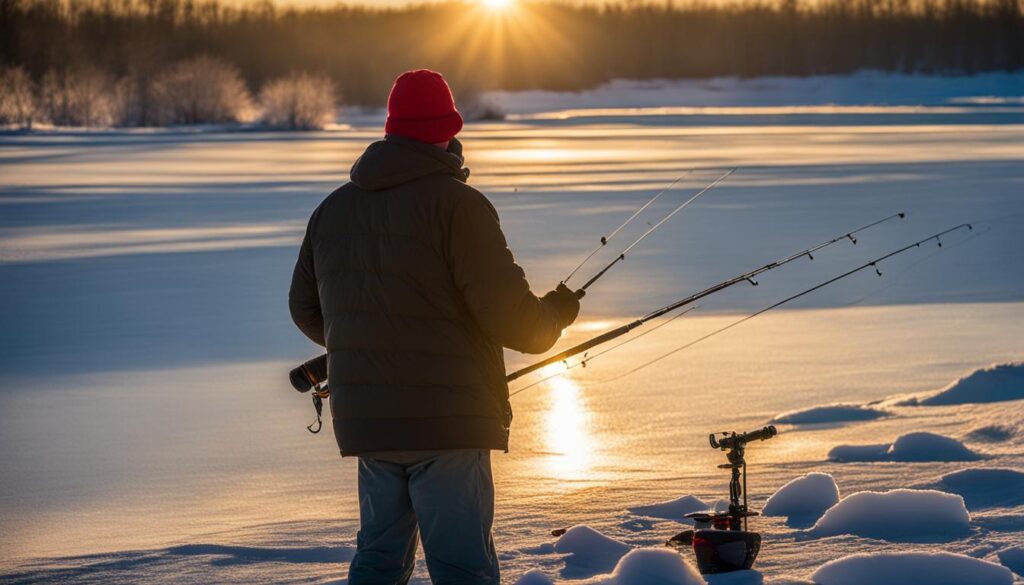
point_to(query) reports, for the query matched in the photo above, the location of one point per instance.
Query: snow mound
(992, 434)
(831, 413)
(653, 566)
(983, 487)
(1013, 558)
(901, 568)
(804, 497)
(917, 446)
(535, 577)
(675, 509)
(590, 549)
(995, 383)
(897, 515)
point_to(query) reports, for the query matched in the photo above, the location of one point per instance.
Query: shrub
(17, 99)
(78, 98)
(202, 90)
(299, 102)
(474, 106)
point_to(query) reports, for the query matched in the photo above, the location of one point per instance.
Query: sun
(496, 4)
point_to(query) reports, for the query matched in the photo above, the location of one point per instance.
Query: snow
(864, 88)
(901, 515)
(992, 433)
(984, 487)
(652, 566)
(831, 413)
(805, 497)
(917, 446)
(588, 549)
(148, 433)
(675, 509)
(996, 383)
(534, 577)
(1013, 559)
(901, 568)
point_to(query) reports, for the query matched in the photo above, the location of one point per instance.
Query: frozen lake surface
(148, 432)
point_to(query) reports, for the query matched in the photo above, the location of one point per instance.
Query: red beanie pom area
(421, 107)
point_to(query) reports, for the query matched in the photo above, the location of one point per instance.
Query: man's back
(407, 274)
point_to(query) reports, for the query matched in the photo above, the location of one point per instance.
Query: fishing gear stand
(720, 540)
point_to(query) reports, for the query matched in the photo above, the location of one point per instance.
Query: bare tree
(71, 97)
(17, 99)
(299, 102)
(202, 90)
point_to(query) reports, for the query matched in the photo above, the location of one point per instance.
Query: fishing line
(650, 230)
(608, 238)
(745, 277)
(903, 273)
(871, 264)
(585, 359)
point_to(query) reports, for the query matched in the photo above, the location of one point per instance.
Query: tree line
(534, 45)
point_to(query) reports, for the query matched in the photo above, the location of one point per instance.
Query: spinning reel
(720, 540)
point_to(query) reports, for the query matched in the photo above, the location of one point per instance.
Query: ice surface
(900, 515)
(1013, 559)
(904, 568)
(589, 551)
(995, 383)
(144, 404)
(985, 487)
(805, 497)
(652, 566)
(916, 446)
(831, 413)
(675, 509)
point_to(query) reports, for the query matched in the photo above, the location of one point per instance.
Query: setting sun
(497, 4)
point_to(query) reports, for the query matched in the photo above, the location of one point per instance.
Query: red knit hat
(421, 107)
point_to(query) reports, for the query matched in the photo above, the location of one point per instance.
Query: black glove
(566, 304)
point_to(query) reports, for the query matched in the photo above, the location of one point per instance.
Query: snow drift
(830, 413)
(652, 566)
(1013, 559)
(901, 568)
(534, 577)
(995, 383)
(898, 515)
(984, 487)
(805, 497)
(917, 446)
(589, 549)
(675, 509)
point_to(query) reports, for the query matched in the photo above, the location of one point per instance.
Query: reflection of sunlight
(567, 436)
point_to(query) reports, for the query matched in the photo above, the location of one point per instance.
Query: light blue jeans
(448, 495)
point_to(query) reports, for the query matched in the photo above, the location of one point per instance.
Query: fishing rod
(608, 238)
(870, 264)
(622, 255)
(745, 277)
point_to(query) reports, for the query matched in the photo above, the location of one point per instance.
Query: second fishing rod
(747, 277)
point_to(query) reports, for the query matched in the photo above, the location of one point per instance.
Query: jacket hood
(397, 160)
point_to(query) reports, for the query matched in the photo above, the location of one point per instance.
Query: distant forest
(533, 45)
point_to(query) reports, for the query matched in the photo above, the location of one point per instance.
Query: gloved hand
(566, 304)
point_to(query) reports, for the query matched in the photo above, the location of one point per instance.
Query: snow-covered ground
(148, 433)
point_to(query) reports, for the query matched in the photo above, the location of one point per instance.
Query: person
(404, 275)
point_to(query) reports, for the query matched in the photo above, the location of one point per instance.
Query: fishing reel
(312, 375)
(720, 540)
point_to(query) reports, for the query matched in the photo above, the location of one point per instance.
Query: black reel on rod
(720, 540)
